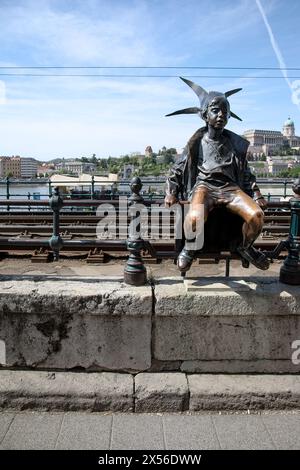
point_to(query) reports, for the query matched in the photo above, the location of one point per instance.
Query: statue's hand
(260, 200)
(170, 199)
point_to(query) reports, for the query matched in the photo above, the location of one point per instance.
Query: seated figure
(213, 172)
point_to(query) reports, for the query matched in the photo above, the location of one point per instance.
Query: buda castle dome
(266, 141)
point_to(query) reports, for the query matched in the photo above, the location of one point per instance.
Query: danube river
(41, 190)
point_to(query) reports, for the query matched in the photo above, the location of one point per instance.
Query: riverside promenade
(125, 431)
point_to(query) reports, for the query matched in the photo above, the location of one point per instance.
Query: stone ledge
(167, 392)
(161, 392)
(84, 295)
(243, 392)
(66, 391)
(262, 296)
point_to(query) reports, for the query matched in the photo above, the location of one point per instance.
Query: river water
(20, 191)
(41, 190)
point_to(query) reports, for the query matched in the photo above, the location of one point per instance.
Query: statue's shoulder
(239, 143)
(194, 141)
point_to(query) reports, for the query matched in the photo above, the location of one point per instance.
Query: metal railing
(135, 272)
(8, 185)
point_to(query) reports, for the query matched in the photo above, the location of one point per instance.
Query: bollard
(7, 192)
(49, 188)
(285, 187)
(290, 270)
(56, 242)
(93, 187)
(135, 272)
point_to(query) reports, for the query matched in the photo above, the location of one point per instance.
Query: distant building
(18, 167)
(128, 170)
(10, 166)
(160, 159)
(76, 167)
(275, 167)
(148, 151)
(29, 167)
(45, 169)
(265, 141)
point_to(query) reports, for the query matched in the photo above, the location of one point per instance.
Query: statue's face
(218, 113)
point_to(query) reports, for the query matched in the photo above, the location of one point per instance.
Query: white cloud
(110, 34)
(47, 117)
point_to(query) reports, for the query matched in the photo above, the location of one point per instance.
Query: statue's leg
(253, 217)
(200, 206)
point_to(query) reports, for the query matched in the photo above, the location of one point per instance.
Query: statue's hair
(210, 100)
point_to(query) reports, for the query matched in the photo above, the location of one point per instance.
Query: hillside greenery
(154, 165)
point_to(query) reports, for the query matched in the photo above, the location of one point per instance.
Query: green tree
(168, 158)
(94, 159)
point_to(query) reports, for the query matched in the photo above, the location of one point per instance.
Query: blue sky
(49, 117)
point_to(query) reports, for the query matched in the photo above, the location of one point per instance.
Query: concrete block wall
(74, 323)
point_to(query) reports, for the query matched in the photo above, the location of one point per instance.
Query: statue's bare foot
(185, 260)
(257, 258)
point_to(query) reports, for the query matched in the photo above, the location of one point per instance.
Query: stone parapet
(218, 326)
(61, 323)
(227, 330)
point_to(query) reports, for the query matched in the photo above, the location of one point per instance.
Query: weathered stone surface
(161, 392)
(46, 294)
(51, 322)
(225, 285)
(165, 366)
(259, 324)
(225, 338)
(61, 323)
(262, 366)
(66, 391)
(266, 296)
(151, 392)
(243, 392)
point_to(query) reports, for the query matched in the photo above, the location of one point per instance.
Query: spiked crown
(205, 99)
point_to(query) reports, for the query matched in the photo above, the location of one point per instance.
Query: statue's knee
(195, 220)
(257, 219)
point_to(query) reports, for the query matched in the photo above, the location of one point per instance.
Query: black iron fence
(8, 185)
(138, 246)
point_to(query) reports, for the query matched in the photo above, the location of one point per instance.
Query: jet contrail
(295, 85)
(274, 43)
